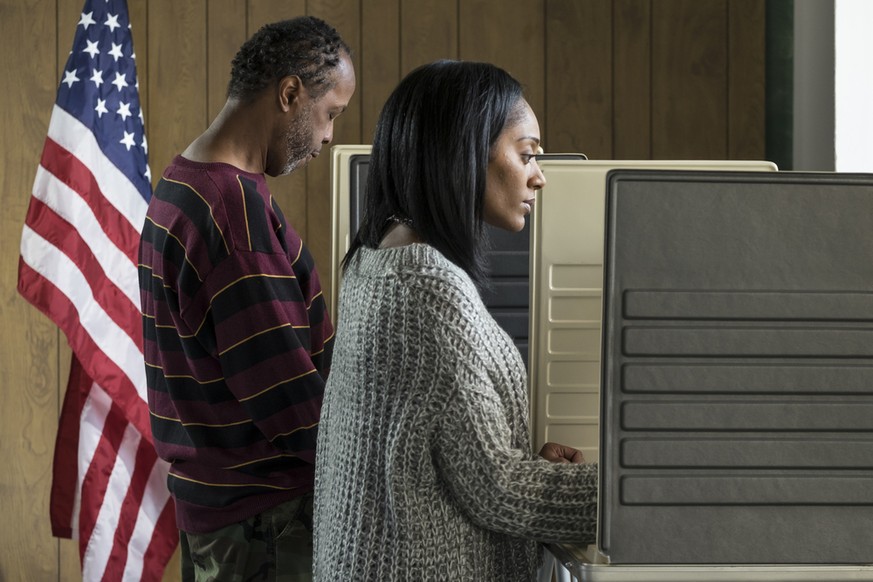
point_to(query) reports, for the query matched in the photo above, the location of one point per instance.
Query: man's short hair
(306, 46)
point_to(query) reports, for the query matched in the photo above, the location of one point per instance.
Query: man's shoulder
(210, 179)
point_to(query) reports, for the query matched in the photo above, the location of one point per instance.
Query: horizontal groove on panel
(579, 308)
(573, 373)
(749, 341)
(747, 378)
(747, 453)
(821, 415)
(567, 405)
(574, 341)
(748, 305)
(794, 489)
(576, 276)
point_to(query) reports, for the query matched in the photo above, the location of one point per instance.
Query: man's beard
(298, 142)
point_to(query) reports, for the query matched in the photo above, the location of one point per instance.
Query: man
(237, 337)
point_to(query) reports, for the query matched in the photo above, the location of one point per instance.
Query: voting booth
(704, 329)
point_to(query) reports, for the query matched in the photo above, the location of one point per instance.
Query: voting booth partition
(704, 329)
(738, 368)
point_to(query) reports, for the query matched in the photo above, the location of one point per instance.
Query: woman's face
(513, 174)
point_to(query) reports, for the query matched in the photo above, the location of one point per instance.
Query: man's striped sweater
(237, 344)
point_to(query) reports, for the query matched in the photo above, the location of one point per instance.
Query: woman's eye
(528, 157)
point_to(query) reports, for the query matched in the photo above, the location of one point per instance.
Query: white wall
(853, 86)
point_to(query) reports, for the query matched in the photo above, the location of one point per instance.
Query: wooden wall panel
(379, 60)
(28, 359)
(511, 39)
(176, 78)
(746, 72)
(345, 16)
(579, 77)
(632, 80)
(620, 78)
(428, 31)
(689, 79)
(225, 33)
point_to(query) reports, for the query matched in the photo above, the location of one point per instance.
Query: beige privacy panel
(566, 288)
(348, 167)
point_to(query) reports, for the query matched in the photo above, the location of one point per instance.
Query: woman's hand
(561, 454)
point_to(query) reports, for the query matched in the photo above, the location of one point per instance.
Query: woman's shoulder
(417, 275)
(418, 265)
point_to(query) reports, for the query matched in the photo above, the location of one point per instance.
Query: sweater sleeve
(500, 486)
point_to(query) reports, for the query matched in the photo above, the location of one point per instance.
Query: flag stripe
(103, 539)
(155, 501)
(64, 510)
(71, 304)
(161, 545)
(117, 188)
(103, 439)
(55, 230)
(139, 465)
(69, 206)
(68, 171)
(129, 398)
(64, 167)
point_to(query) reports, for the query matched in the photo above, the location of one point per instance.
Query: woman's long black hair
(430, 156)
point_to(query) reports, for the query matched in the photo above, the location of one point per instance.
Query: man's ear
(290, 92)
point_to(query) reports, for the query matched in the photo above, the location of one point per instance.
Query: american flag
(78, 265)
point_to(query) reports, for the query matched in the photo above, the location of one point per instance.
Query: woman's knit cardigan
(424, 468)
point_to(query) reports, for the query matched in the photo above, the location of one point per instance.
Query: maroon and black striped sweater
(237, 344)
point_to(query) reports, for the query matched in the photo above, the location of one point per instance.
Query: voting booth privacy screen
(737, 411)
(704, 329)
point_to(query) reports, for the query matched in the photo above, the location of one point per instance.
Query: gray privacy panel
(737, 402)
(508, 299)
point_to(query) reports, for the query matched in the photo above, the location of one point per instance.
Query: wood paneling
(176, 78)
(428, 31)
(28, 358)
(611, 78)
(746, 73)
(689, 79)
(379, 58)
(511, 39)
(579, 77)
(632, 79)
(225, 32)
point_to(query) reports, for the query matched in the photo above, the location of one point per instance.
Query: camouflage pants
(275, 545)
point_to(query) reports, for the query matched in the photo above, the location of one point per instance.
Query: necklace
(399, 219)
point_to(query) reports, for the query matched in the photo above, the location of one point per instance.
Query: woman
(424, 469)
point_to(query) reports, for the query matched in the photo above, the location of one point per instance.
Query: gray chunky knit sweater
(424, 468)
